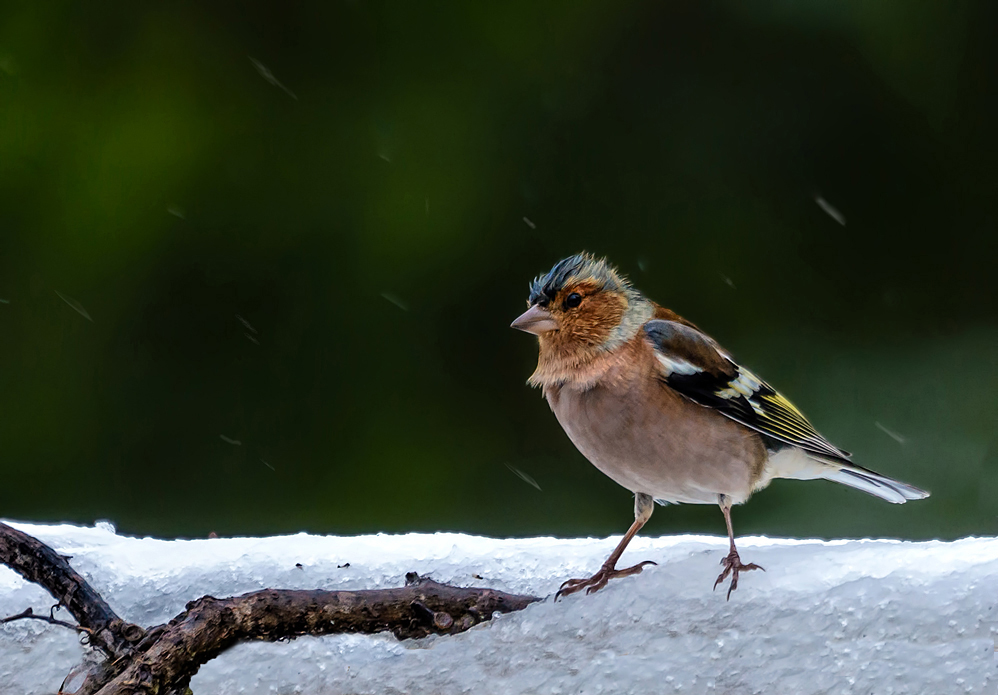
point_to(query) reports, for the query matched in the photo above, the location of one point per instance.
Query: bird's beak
(536, 320)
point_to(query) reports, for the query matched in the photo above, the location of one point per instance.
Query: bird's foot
(733, 565)
(599, 580)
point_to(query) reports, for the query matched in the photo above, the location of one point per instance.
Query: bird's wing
(692, 364)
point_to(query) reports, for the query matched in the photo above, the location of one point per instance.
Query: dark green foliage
(305, 227)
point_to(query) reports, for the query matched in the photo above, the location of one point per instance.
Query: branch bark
(164, 658)
(38, 563)
(211, 625)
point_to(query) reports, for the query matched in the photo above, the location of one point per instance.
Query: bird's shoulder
(692, 363)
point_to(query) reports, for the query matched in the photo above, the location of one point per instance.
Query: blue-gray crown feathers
(582, 266)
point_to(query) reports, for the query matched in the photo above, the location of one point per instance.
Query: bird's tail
(872, 483)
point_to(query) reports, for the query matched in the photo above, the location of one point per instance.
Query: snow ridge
(826, 617)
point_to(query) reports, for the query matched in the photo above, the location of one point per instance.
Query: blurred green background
(300, 231)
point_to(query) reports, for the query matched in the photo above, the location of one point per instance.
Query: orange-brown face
(581, 316)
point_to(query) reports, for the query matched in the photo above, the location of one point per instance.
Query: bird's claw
(599, 580)
(733, 565)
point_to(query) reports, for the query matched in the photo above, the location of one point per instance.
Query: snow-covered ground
(826, 617)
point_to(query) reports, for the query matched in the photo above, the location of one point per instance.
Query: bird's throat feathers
(583, 350)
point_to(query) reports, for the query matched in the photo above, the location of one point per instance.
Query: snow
(826, 617)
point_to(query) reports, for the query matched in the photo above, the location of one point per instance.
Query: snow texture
(871, 616)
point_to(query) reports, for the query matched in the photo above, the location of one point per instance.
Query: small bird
(658, 406)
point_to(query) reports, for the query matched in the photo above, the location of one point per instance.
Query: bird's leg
(732, 563)
(644, 505)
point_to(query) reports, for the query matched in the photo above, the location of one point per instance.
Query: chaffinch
(658, 406)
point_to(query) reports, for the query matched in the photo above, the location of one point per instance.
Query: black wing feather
(696, 367)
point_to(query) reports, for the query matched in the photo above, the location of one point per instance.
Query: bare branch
(38, 563)
(164, 658)
(29, 614)
(211, 625)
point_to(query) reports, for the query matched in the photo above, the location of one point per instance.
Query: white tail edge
(875, 484)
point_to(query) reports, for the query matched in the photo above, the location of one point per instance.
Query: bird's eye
(573, 300)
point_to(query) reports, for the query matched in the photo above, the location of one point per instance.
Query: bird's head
(582, 306)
